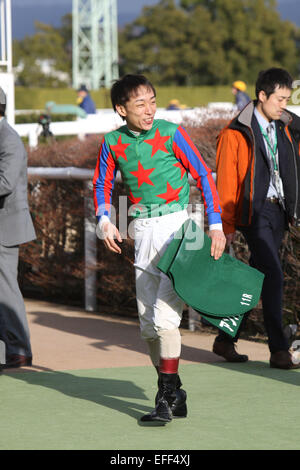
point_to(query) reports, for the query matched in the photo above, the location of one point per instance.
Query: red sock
(169, 366)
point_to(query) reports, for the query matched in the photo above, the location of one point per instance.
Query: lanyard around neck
(272, 149)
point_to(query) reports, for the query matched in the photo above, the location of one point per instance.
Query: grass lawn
(231, 406)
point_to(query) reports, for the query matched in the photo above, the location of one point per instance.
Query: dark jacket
(243, 173)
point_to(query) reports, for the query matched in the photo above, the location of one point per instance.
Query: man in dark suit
(258, 181)
(16, 227)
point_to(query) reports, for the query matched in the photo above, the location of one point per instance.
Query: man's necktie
(273, 157)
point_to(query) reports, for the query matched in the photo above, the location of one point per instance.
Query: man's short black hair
(2, 109)
(125, 87)
(269, 79)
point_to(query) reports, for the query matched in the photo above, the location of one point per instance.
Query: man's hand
(218, 242)
(109, 233)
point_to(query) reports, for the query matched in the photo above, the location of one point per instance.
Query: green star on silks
(222, 290)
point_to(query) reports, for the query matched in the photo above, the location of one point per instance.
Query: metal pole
(8, 36)
(115, 48)
(3, 34)
(94, 45)
(75, 39)
(90, 249)
(193, 319)
(107, 41)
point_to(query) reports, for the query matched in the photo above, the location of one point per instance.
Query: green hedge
(35, 98)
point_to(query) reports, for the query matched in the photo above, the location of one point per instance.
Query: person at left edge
(16, 227)
(154, 158)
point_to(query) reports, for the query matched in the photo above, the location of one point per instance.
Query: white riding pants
(159, 307)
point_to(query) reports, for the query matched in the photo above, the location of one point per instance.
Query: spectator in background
(173, 104)
(241, 97)
(85, 101)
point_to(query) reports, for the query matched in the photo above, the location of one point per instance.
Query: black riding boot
(178, 406)
(166, 397)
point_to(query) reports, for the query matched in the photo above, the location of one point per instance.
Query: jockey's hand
(109, 233)
(218, 242)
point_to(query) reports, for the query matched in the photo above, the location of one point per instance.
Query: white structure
(6, 75)
(107, 120)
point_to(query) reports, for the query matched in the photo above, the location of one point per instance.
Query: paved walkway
(65, 338)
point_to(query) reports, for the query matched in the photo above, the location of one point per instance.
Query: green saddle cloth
(222, 290)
